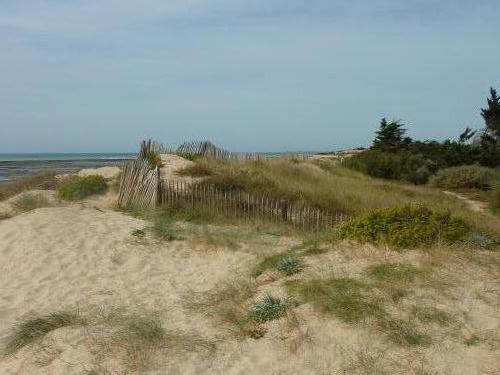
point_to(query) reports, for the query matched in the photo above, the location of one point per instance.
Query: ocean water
(14, 166)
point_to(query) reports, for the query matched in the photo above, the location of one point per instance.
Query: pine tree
(491, 115)
(390, 135)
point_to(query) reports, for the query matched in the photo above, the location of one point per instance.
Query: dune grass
(30, 201)
(43, 181)
(270, 308)
(34, 329)
(334, 188)
(395, 272)
(75, 187)
(429, 314)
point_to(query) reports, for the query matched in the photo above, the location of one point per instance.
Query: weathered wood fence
(179, 194)
(141, 186)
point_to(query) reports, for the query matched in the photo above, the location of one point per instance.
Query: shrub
(76, 187)
(410, 226)
(465, 176)
(400, 165)
(270, 308)
(289, 265)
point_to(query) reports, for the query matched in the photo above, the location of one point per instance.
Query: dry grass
(30, 201)
(335, 188)
(45, 181)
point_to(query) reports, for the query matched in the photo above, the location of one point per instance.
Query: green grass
(350, 301)
(76, 188)
(202, 168)
(143, 330)
(44, 181)
(163, 227)
(289, 265)
(410, 226)
(270, 263)
(395, 272)
(495, 199)
(426, 314)
(403, 332)
(30, 201)
(344, 298)
(334, 188)
(270, 308)
(34, 329)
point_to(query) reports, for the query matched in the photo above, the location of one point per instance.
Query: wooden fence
(178, 194)
(141, 186)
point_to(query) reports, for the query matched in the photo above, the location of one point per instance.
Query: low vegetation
(30, 201)
(75, 187)
(350, 301)
(44, 181)
(495, 199)
(271, 262)
(163, 226)
(289, 265)
(465, 177)
(426, 314)
(395, 272)
(270, 308)
(34, 329)
(410, 226)
(202, 168)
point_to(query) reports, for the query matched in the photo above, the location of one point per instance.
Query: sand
(83, 256)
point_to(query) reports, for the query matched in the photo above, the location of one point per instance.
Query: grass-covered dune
(329, 186)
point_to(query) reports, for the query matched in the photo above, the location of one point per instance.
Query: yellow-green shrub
(465, 177)
(410, 226)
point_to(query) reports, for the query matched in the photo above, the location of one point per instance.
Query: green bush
(400, 165)
(465, 177)
(410, 226)
(75, 187)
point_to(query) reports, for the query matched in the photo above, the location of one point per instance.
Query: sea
(15, 166)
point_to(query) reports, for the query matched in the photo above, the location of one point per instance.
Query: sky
(250, 75)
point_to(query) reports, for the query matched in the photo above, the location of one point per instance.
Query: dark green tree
(390, 135)
(491, 115)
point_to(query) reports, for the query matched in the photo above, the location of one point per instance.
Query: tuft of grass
(200, 168)
(395, 272)
(76, 187)
(289, 265)
(472, 340)
(163, 226)
(229, 303)
(270, 308)
(44, 181)
(30, 201)
(402, 332)
(4, 216)
(139, 233)
(410, 226)
(270, 263)
(343, 298)
(426, 314)
(143, 330)
(34, 329)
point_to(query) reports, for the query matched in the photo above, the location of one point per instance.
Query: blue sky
(253, 75)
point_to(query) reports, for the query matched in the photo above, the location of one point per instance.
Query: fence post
(284, 209)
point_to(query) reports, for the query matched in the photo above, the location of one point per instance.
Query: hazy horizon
(254, 75)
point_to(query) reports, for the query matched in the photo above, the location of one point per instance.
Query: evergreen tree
(491, 115)
(390, 135)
